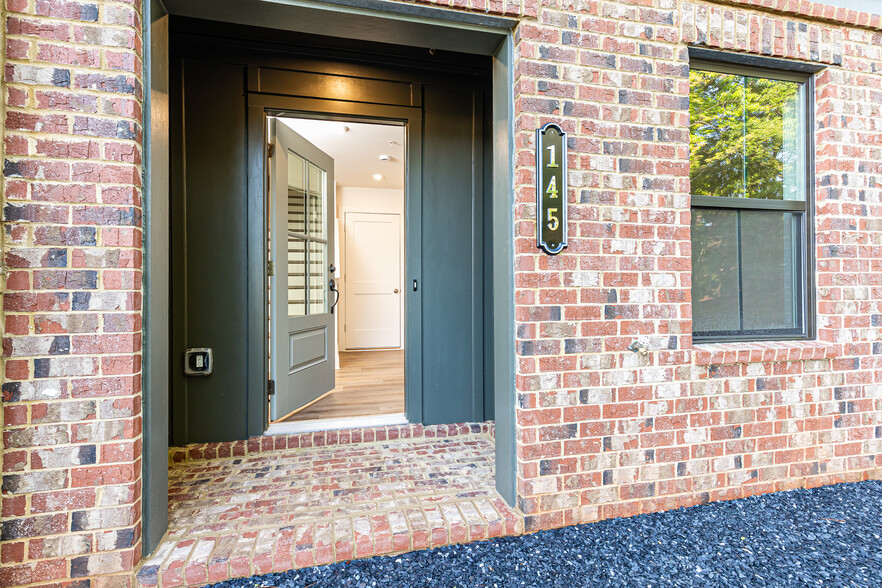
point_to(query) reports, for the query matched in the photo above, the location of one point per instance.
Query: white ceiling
(356, 151)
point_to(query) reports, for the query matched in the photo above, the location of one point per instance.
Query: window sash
(747, 203)
(802, 282)
(805, 297)
(798, 174)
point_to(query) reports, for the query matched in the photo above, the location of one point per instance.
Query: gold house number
(551, 163)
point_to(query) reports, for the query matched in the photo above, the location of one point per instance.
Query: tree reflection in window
(745, 137)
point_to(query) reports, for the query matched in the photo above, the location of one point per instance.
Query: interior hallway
(325, 497)
(368, 383)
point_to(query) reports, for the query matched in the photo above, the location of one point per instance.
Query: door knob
(395, 290)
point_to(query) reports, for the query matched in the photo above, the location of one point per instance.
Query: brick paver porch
(325, 497)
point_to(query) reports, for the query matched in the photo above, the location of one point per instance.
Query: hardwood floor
(367, 383)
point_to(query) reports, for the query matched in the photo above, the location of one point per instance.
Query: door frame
(408, 24)
(261, 106)
(402, 278)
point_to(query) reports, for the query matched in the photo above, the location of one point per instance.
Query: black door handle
(332, 286)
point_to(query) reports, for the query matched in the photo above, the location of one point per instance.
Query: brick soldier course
(601, 431)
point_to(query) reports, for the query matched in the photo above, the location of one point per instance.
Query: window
(751, 209)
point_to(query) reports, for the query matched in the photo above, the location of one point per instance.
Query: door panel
(307, 348)
(452, 256)
(302, 185)
(373, 280)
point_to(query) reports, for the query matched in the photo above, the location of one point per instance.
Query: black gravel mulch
(829, 536)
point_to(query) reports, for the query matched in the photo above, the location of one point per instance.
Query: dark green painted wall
(452, 256)
(209, 232)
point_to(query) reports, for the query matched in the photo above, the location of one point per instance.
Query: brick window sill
(767, 351)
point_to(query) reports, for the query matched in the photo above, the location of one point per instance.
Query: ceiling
(356, 149)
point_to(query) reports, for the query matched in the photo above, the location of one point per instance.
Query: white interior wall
(377, 200)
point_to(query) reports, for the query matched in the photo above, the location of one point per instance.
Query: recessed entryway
(223, 94)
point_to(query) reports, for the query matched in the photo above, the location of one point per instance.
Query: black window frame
(736, 64)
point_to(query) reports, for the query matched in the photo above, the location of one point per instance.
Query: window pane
(770, 269)
(715, 270)
(296, 193)
(773, 140)
(716, 131)
(316, 202)
(296, 277)
(318, 277)
(746, 136)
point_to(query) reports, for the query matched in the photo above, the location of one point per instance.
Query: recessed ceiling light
(378, 176)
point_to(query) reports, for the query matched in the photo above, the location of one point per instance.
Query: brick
(26, 483)
(60, 546)
(64, 55)
(33, 526)
(63, 500)
(30, 346)
(73, 102)
(67, 10)
(36, 436)
(39, 390)
(78, 410)
(37, 75)
(101, 518)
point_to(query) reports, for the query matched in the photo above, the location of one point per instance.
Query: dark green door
(452, 237)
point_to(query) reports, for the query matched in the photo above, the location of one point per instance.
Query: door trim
(157, 251)
(260, 106)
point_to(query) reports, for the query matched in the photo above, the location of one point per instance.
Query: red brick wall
(72, 298)
(604, 432)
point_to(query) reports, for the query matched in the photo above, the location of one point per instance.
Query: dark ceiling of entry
(401, 24)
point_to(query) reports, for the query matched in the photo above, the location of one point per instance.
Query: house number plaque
(551, 189)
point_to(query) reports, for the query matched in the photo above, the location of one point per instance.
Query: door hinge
(270, 149)
(270, 388)
(270, 268)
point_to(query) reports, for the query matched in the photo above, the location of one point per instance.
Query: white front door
(372, 280)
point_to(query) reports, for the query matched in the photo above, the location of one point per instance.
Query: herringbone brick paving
(290, 508)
